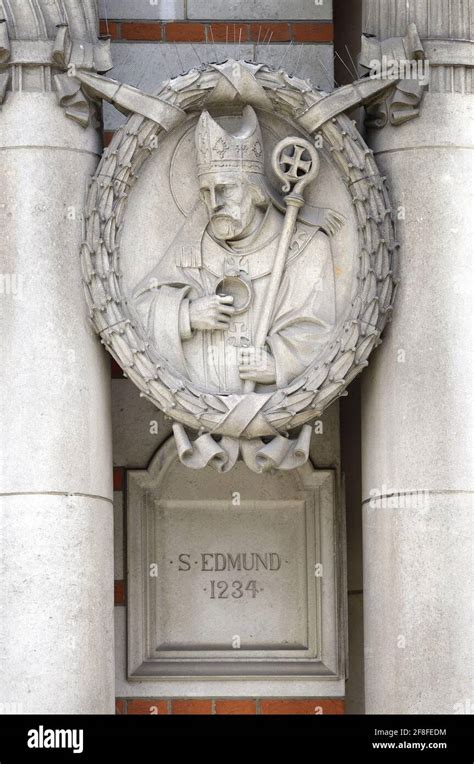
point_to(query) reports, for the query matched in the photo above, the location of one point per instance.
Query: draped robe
(192, 267)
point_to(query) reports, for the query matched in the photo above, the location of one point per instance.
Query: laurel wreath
(340, 360)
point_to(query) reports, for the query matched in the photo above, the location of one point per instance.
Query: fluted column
(417, 392)
(56, 540)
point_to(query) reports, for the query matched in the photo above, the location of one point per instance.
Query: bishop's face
(230, 204)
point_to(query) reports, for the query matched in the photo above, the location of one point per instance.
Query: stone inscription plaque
(232, 577)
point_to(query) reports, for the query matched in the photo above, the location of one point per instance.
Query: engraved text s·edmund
(201, 303)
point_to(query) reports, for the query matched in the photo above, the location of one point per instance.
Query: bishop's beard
(225, 227)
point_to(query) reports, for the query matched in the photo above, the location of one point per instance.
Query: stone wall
(151, 42)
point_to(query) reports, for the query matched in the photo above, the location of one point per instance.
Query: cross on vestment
(235, 264)
(236, 338)
(237, 334)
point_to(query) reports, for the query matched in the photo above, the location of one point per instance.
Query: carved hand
(257, 365)
(211, 312)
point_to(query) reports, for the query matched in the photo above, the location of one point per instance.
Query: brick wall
(229, 32)
(160, 706)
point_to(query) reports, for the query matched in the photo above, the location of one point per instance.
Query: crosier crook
(296, 177)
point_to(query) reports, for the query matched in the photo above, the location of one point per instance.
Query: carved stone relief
(238, 256)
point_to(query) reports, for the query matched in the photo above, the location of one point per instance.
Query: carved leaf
(86, 263)
(370, 315)
(190, 403)
(93, 230)
(298, 401)
(350, 336)
(147, 132)
(107, 169)
(317, 376)
(91, 203)
(369, 290)
(328, 394)
(114, 286)
(342, 365)
(365, 348)
(386, 293)
(127, 150)
(122, 180)
(98, 293)
(102, 265)
(354, 372)
(109, 233)
(213, 401)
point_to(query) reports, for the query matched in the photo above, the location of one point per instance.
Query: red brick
(313, 706)
(135, 30)
(313, 32)
(119, 592)
(120, 706)
(184, 31)
(107, 138)
(191, 706)
(118, 478)
(148, 706)
(227, 32)
(273, 32)
(237, 706)
(116, 371)
(112, 29)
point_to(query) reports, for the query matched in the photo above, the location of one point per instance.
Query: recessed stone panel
(241, 580)
(240, 574)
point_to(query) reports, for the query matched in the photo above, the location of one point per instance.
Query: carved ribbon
(128, 100)
(73, 100)
(85, 56)
(244, 417)
(5, 50)
(238, 81)
(403, 101)
(4, 79)
(4, 57)
(279, 453)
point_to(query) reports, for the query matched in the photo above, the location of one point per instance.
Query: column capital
(443, 30)
(434, 19)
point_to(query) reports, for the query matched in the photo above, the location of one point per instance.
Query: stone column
(56, 540)
(417, 392)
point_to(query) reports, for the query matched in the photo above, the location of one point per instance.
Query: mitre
(220, 151)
